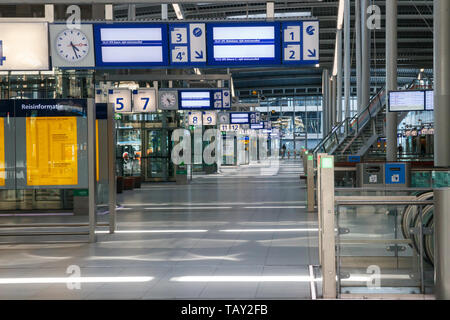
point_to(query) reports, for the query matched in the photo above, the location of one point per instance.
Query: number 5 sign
(144, 100)
(121, 99)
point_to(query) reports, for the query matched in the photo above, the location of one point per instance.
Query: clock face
(72, 45)
(168, 99)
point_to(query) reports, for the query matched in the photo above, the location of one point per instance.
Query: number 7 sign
(144, 100)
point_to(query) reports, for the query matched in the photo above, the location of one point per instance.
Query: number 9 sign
(209, 118)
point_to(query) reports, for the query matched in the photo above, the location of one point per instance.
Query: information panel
(194, 99)
(53, 148)
(187, 44)
(239, 118)
(243, 43)
(429, 100)
(24, 46)
(128, 45)
(400, 101)
(51, 151)
(300, 42)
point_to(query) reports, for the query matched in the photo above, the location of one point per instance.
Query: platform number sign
(209, 118)
(121, 99)
(187, 44)
(195, 118)
(144, 100)
(300, 42)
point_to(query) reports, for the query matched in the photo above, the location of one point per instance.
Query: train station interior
(226, 150)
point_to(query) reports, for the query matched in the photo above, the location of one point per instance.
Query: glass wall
(299, 119)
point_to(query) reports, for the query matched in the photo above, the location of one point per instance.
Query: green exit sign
(117, 116)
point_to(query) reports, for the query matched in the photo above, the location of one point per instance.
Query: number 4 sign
(144, 100)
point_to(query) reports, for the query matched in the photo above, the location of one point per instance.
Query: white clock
(72, 45)
(168, 100)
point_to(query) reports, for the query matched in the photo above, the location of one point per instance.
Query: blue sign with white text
(2, 58)
(130, 45)
(187, 44)
(300, 42)
(243, 43)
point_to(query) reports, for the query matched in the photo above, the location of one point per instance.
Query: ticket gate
(380, 174)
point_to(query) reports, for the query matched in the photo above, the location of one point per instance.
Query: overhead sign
(24, 46)
(121, 99)
(187, 44)
(72, 47)
(300, 42)
(194, 99)
(126, 45)
(408, 100)
(209, 118)
(243, 43)
(195, 118)
(239, 118)
(229, 127)
(144, 100)
(257, 126)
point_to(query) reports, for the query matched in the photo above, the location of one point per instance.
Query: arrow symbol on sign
(312, 53)
(199, 55)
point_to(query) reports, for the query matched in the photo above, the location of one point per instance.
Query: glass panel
(129, 152)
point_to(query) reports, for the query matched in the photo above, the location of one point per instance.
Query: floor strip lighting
(242, 279)
(74, 280)
(153, 231)
(270, 230)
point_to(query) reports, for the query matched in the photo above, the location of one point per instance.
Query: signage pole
(111, 168)
(92, 183)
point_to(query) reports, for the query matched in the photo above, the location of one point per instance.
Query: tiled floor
(225, 228)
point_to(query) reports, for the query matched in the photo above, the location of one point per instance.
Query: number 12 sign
(144, 100)
(121, 99)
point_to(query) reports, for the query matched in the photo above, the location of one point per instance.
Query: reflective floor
(240, 234)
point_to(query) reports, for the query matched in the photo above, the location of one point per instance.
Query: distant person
(400, 150)
(283, 151)
(289, 154)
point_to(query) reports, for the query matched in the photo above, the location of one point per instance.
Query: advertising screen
(400, 101)
(130, 45)
(243, 43)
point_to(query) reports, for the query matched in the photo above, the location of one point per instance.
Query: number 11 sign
(144, 100)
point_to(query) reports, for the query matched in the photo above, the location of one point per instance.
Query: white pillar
(347, 67)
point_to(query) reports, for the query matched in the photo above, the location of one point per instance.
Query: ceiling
(415, 40)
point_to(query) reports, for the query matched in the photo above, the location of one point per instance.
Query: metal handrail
(348, 122)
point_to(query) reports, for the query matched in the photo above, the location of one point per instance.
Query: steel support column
(441, 83)
(442, 239)
(358, 52)
(391, 77)
(365, 57)
(339, 77)
(347, 68)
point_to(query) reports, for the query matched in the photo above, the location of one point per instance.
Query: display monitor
(193, 99)
(409, 100)
(243, 43)
(239, 118)
(429, 100)
(130, 45)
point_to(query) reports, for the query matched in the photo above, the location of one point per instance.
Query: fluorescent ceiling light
(73, 279)
(335, 70)
(243, 279)
(277, 15)
(178, 12)
(232, 88)
(197, 71)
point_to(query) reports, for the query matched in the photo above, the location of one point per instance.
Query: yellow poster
(2, 152)
(52, 151)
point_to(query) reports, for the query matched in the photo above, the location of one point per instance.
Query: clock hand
(73, 48)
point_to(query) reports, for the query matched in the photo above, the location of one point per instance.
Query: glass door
(157, 148)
